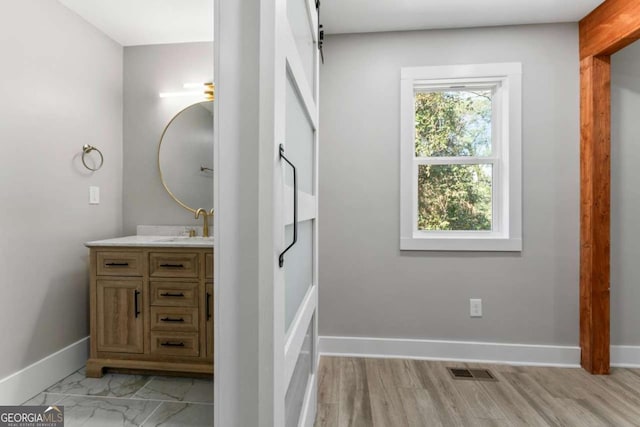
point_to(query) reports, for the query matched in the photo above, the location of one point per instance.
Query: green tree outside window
(454, 124)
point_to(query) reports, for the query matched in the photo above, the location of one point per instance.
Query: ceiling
(357, 16)
(138, 22)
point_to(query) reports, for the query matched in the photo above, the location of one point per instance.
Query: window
(461, 158)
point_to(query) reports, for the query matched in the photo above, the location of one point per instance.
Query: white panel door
(289, 161)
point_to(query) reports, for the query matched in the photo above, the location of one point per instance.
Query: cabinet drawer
(174, 294)
(119, 263)
(209, 319)
(209, 266)
(177, 319)
(173, 264)
(175, 344)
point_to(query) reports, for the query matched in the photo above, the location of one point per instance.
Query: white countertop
(155, 241)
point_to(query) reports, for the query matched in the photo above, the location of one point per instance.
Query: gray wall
(149, 70)
(370, 288)
(625, 196)
(61, 87)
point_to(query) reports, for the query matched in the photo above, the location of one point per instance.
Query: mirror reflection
(185, 157)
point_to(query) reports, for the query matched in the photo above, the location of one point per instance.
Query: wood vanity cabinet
(151, 309)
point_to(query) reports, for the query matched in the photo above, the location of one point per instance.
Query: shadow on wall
(459, 254)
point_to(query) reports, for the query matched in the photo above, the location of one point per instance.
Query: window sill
(461, 244)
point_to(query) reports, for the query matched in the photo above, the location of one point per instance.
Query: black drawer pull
(169, 294)
(208, 306)
(169, 319)
(172, 265)
(117, 264)
(135, 303)
(172, 344)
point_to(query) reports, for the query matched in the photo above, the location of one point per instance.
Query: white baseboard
(26, 383)
(467, 351)
(625, 356)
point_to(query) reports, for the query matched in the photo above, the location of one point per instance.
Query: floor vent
(471, 374)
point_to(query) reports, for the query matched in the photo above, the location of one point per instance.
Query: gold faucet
(205, 217)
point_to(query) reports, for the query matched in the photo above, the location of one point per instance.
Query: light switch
(475, 307)
(94, 195)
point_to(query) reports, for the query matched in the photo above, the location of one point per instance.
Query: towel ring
(86, 149)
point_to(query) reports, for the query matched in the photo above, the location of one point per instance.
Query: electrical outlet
(475, 307)
(94, 195)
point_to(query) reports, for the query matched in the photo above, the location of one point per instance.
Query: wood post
(595, 173)
(610, 27)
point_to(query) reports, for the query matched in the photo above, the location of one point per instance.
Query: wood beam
(610, 27)
(595, 178)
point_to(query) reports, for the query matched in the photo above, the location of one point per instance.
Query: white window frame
(505, 82)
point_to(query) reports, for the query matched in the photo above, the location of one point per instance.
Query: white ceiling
(138, 22)
(356, 16)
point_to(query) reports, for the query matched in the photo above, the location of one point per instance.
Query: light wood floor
(396, 393)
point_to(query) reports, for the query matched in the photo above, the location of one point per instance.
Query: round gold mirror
(185, 156)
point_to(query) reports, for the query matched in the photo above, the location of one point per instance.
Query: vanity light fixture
(206, 89)
(177, 94)
(209, 89)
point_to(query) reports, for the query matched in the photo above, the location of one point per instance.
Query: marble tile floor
(131, 400)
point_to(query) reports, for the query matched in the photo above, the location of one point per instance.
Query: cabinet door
(209, 317)
(119, 316)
